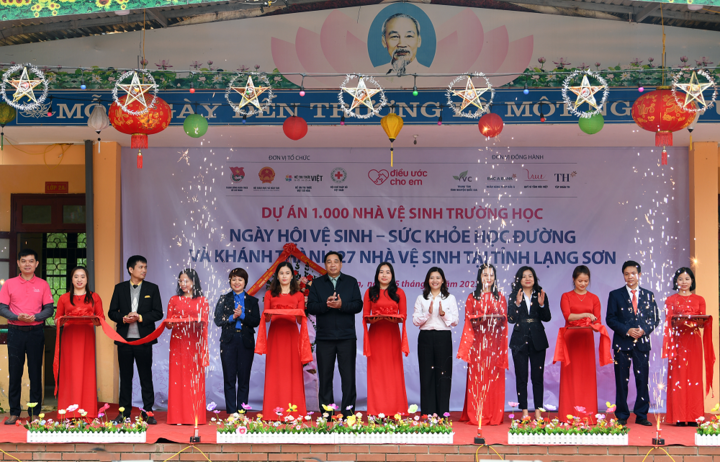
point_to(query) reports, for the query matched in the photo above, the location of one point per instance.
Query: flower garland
(79, 423)
(330, 422)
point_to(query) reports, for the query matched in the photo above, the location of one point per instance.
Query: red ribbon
(404, 346)
(107, 328)
(561, 351)
(468, 340)
(669, 350)
(289, 250)
(306, 355)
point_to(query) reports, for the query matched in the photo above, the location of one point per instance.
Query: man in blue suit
(632, 314)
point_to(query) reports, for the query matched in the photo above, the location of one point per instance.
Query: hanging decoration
(7, 114)
(657, 111)
(591, 125)
(98, 121)
(490, 125)
(694, 91)
(195, 125)
(24, 87)
(135, 92)
(392, 124)
(295, 127)
(470, 96)
(362, 96)
(250, 103)
(155, 120)
(585, 93)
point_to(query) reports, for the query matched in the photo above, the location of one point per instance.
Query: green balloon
(195, 125)
(591, 125)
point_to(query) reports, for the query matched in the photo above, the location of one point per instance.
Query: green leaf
(456, 177)
(463, 174)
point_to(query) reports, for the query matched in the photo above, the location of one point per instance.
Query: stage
(164, 441)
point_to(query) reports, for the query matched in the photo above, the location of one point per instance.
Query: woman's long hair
(275, 284)
(517, 284)
(443, 286)
(193, 276)
(392, 287)
(479, 285)
(88, 295)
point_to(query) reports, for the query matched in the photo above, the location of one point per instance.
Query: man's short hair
(332, 252)
(631, 263)
(27, 253)
(132, 261)
(400, 15)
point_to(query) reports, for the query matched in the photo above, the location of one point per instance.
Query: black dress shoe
(622, 422)
(12, 419)
(151, 420)
(643, 422)
(692, 424)
(119, 419)
(680, 424)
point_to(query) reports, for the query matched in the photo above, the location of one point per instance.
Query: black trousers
(21, 343)
(537, 368)
(345, 352)
(641, 368)
(435, 358)
(140, 355)
(236, 365)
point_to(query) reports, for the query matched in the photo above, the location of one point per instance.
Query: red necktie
(634, 300)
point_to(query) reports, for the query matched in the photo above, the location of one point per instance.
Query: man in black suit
(632, 314)
(135, 307)
(335, 300)
(238, 314)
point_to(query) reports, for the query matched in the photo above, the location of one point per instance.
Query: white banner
(550, 208)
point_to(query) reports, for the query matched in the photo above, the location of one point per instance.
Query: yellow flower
(31, 404)
(291, 408)
(327, 408)
(716, 408)
(398, 417)
(570, 417)
(607, 403)
(42, 416)
(351, 420)
(122, 409)
(62, 411)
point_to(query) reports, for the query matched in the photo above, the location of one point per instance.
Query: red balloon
(295, 127)
(490, 125)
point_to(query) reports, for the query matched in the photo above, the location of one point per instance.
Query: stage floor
(464, 433)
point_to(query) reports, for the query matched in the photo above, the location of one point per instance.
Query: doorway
(54, 226)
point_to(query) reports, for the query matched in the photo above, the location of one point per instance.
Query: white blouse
(426, 321)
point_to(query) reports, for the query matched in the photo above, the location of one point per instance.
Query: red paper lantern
(295, 127)
(490, 125)
(155, 120)
(657, 111)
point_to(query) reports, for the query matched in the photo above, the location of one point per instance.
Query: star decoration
(24, 87)
(362, 95)
(250, 93)
(471, 95)
(694, 91)
(136, 91)
(586, 93)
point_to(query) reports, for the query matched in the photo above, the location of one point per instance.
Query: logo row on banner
(321, 107)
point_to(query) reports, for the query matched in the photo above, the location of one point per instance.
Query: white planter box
(576, 440)
(48, 437)
(707, 440)
(297, 438)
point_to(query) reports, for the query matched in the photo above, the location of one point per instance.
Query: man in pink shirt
(26, 302)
